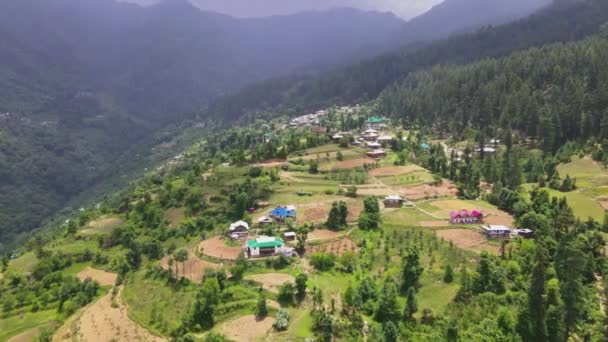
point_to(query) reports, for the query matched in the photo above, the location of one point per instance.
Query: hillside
(364, 81)
(93, 80)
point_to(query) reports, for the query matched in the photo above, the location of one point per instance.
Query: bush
(255, 172)
(282, 322)
(287, 293)
(322, 261)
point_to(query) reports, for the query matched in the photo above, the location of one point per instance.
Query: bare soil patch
(323, 234)
(394, 170)
(319, 211)
(27, 336)
(349, 164)
(271, 281)
(467, 239)
(193, 269)
(247, 328)
(604, 204)
(101, 277)
(431, 224)
(446, 189)
(316, 214)
(216, 248)
(338, 247)
(103, 225)
(101, 322)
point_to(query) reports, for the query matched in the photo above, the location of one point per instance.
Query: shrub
(287, 293)
(322, 261)
(282, 322)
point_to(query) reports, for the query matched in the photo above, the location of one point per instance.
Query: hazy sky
(254, 8)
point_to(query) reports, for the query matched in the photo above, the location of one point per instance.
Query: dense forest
(567, 21)
(556, 93)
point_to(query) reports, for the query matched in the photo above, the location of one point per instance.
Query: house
(264, 246)
(376, 122)
(525, 233)
(370, 135)
(496, 232)
(337, 137)
(466, 217)
(264, 220)
(394, 201)
(282, 213)
(374, 145)
(376, 154)
(289, 236)
(239, 229)
(385, 138)
(486, 150)
(426, 147)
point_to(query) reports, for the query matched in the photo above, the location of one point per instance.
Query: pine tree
(388, 307)
(412, 270)
(411, 304)
(448, 276)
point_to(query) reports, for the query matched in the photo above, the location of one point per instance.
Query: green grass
(582, 205)
(103, 225)
(20, 323)
(145, 295)
(301, 324)
(406, 217)
(587, 172)
(23, 264)
(413, 178)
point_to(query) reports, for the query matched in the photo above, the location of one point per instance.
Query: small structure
(466, 217)
(525, 233)
(337, 137)
(496, 232)
(289, 236)
(281, 213)
(370, 135)
(487, 150)
(395, 201)
(264, 220)
(239, 229)
(376, 154)
(425, 146)
(374, 145)
(319, 130)
(376, 122)
(264, 246)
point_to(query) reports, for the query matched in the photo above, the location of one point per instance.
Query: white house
(239, 229)
(496, 231)
(264, 246)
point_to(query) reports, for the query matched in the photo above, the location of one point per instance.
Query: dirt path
(104, 321)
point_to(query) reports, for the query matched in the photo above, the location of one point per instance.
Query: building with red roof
(466, 217)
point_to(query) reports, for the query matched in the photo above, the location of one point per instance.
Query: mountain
(364, 81)
(91, 79)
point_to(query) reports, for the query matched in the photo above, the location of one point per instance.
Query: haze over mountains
(83, 81)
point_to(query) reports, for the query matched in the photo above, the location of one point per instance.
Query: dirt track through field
(100, 322)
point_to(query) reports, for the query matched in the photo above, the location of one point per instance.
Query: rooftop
(376, 119)
(265, 242)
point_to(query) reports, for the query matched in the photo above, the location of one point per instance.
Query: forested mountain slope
(84, 81)
(364, 81)
(555, 93)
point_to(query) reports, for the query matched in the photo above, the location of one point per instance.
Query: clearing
(353, 163)
(216, 248)
(468, 239)
(102, 322)
(175, 216)
(337, 248)
(101, 277)
(104, 225)
(247, 328)
(193, 269)
(271, 281)
(323, 234)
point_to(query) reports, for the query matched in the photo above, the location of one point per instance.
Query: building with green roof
(264, 246)
(376, 122)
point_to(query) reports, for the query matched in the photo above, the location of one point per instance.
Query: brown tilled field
(350, 164)
(271, 281)
(100, 322)
(247, 328)
(337, 247)
(216, 248)
(323, 234)
(101, 277)
(447, 189)
(394, 170)
(467, 239)
(193, 269)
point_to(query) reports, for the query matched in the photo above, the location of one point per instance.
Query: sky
(256, 8)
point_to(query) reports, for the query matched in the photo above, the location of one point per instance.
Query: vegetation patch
(104, 225)
(271, 281)
(101, 277)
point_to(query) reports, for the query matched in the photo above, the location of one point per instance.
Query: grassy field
(17, 324)
(587, 172)
(414, 178)
(147, 297)
(103, 225)
(24, 263)
(582, 205)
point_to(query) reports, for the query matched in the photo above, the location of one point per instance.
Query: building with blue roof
(282, 213)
